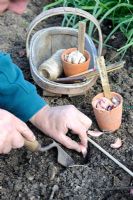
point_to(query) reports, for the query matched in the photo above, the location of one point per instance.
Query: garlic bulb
(75, 57)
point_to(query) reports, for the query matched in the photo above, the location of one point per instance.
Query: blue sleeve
(17, 95)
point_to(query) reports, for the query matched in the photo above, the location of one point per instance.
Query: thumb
(69, 143)
(25, 131)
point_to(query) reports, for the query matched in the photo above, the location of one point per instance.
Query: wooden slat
(81, 37)
(104, 77)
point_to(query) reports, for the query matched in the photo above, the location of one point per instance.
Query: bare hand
(3, 5)
(12, 132)
(17, 6)
(56, 121)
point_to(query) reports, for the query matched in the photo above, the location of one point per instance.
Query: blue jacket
(17, 95)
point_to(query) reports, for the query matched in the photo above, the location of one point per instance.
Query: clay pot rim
(62, 57)
(114, 93)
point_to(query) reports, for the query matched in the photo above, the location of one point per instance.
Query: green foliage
(120, 12)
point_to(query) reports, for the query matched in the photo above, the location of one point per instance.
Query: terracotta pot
(73, 69)
(108, 120)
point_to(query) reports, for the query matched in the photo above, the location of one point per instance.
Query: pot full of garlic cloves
(74, 62)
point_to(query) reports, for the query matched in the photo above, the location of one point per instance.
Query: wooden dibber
(111, 157)
(89, 74)
(110, 68)
(81, 37)
(104, 77)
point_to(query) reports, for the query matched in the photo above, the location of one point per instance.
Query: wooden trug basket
(44, 43)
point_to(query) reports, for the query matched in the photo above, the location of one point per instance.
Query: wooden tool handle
(110, 68)
(32, 146)
(71, 80)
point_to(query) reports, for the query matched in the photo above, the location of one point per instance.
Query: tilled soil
(31, 176)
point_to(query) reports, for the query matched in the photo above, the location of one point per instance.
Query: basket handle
(63, 10)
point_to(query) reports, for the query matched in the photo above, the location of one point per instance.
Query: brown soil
(31, 176)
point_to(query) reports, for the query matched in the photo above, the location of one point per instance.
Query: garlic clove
(95, 133)
(116, 101)
(117, 144)
(69, 59)
(82, 59)
(104, 104)
(66, 58)
(75, 60)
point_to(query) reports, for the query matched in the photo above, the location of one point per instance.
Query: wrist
(37, 117)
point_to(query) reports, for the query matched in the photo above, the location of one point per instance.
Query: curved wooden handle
(63, 10)
(32, 146)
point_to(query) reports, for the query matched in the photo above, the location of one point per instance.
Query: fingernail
(83, 150)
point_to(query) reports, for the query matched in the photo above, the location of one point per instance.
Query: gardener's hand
(12, 131)
(55, 122)
(3, 5)
(17, 6)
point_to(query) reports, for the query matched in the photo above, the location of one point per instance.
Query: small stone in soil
(52, 171)
(54, 189)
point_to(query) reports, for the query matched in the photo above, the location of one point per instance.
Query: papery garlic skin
(75, 57)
